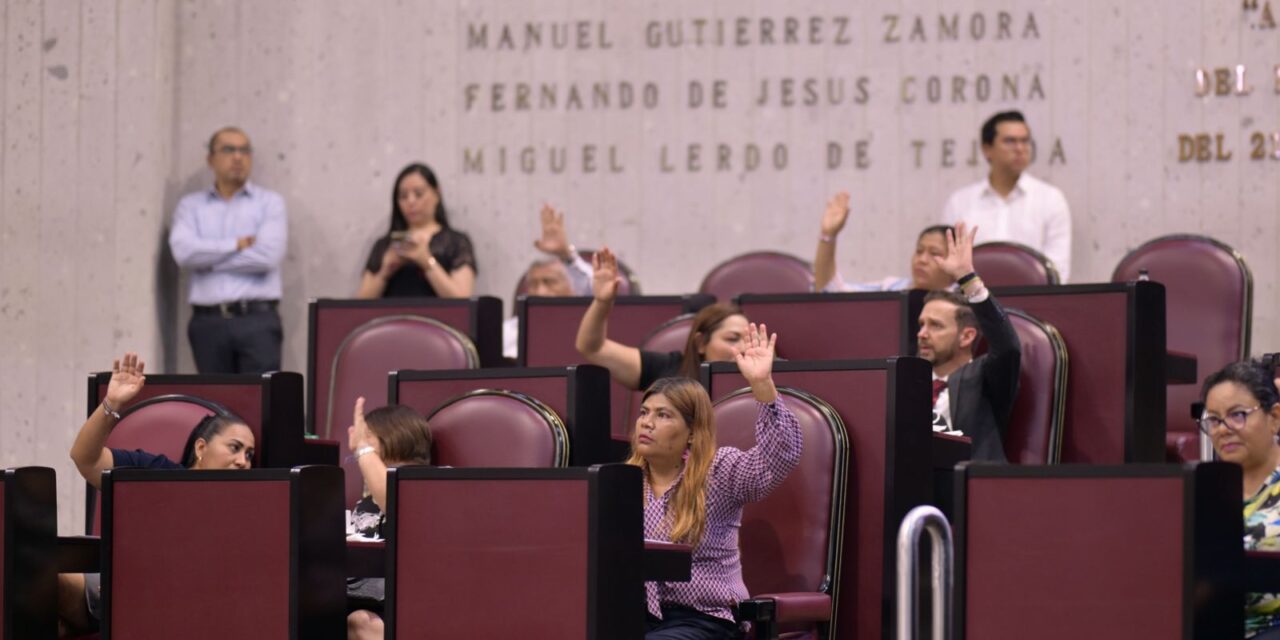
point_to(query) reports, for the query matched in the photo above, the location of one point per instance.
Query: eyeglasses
(228, 150)
(1234, 421)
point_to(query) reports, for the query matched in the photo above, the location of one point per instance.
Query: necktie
(938, 386)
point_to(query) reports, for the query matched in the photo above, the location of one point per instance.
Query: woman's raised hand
(604, 279)
(754, 354)
(358, 432)
(127, 380)
(836, 214)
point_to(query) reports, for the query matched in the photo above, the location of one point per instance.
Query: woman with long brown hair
(694, 492)
(714, 337)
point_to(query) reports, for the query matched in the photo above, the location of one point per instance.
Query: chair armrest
(316, 451)
(1262, 571)
(804, 606)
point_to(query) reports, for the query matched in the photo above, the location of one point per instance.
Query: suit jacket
(982, 392)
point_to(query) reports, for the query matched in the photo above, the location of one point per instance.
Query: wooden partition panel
(28, 564)
(331, 320)
(231, 554)
(578, 394)
(1064, 550)
(549, 329)
(1115, 336)
(885, 407)
(557, 552)
(839, 326)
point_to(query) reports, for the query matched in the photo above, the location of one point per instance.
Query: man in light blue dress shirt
(231, 238)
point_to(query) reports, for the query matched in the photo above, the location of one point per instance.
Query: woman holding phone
(421, 256)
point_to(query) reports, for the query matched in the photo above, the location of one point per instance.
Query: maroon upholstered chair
(630, 285)
(758, 272)
(1209, 305)
(157, 425)
(1035, 426)
(1102, 552)
(28, 538)
(790, 540)
(249, 554)
(491, 428)
(370, 352)
(1010, 264)
(561, 549)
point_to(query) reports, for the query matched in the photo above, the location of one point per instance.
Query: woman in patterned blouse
(695, 492)
(1242, 416)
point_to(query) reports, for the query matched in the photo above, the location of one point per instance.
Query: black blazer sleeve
(1003, 360)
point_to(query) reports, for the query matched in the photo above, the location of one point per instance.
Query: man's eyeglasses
(1234, 420)
(229, 150)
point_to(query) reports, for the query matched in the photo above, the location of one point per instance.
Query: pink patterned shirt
(737, 477)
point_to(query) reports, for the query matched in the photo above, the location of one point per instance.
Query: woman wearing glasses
(1242, 417)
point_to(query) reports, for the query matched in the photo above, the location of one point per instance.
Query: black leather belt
(236, 308)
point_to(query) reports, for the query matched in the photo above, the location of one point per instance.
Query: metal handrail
(920, 520)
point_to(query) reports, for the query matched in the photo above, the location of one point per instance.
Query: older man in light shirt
(1010, 204)
(231, 238)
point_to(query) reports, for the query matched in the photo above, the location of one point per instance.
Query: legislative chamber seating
(1064, 552)
(1115, 338)
(579, 396)
(549, 330)
(839, 326)
(495, 428)
(884, 406)
(790, 540)
(241, 554)
(557, 551)
(758, 272)
(1209, 298)
(28, 564)
(1035, 425)
(332, 321)
(1010, 264)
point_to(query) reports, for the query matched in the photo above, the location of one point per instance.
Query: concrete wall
(107, 108)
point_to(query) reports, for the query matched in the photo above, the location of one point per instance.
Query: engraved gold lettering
(842, 30)
(1222, 155)
(1057, 155)
(890, 28)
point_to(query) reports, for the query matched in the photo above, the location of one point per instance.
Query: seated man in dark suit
(971, 395)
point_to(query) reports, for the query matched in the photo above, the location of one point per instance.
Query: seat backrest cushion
(495, 429)
(784, 538)
(761, 272)
(1031, 438)
(1010, 265)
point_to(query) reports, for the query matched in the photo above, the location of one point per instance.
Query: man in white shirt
(1010, 204)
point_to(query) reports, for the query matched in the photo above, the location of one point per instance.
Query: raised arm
(824, 259)
(88, 451)
(754, 473)
(623, 362)
(372, 467)
(555, 242)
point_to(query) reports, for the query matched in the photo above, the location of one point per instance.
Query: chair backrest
(1116, 386)
(791, 540)
(630, 285)
(1035, 425)
(28, 561)
(558, 551)
(159, 425)
(368, 354)
(579, 395)
(1069, 551)
(331, 321)
(492, 428)
(1011, 264)
(758, 272)
(248, 554)
(1209, 304)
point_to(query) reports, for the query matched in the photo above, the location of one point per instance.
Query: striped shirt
(736, 478)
